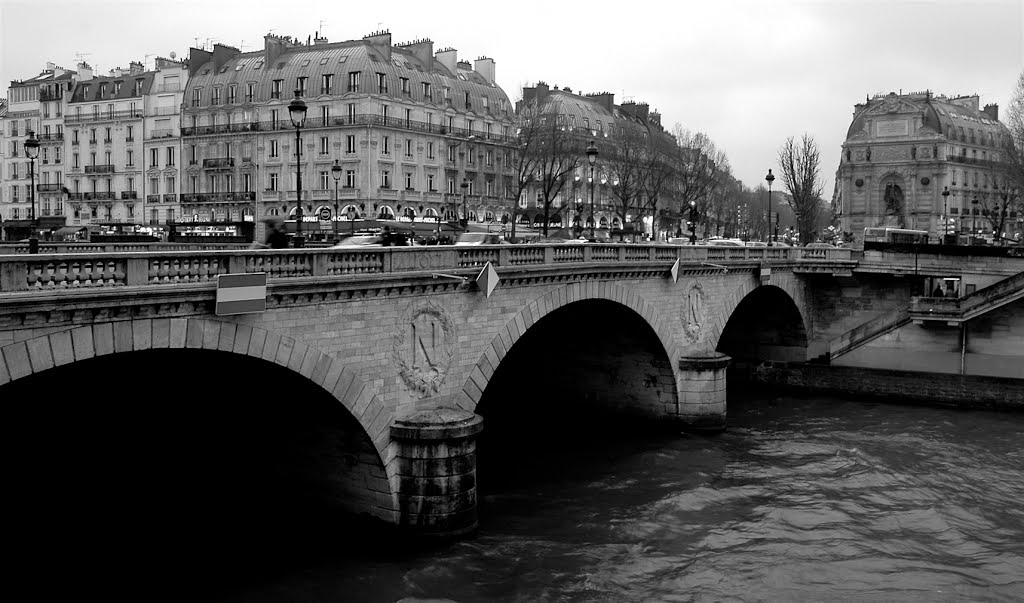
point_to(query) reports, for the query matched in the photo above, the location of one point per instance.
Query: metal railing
(99, 169)
(104, 116)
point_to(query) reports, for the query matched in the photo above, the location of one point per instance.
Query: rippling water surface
(800, 500)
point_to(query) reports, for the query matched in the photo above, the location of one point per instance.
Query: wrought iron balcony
(49, 188)
(99, 196)
(152, 198)
(104, 116)
(219, 163)
(99, 169)
(169, 197)
(129, 194)
(229, 197)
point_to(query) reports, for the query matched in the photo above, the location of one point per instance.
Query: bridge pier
(436, 471)
(702, 391)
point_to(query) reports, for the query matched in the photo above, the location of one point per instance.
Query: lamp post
(693, 222)
(770, 178)
(974, 220)
(464, 221)
(32, 150)
(592, 159)
(297, 113)
(945, 213)
(336, 172)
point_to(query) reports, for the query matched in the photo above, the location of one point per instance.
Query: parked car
(819, 246)
(478, 238)
(756, 244)
(362, 241)
(725, 243)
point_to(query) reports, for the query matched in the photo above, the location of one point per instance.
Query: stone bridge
(412, 342)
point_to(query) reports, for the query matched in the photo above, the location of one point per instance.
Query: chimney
(222, 54)
(970, 102)
(162, 63)
(197, 57)
(135, 68)
(84, 72)
(319, 39)
(992, 110)
(567, 90)
(423, 50)
(485, 67)
(655, 118)
(50, 66)
(381, 42)
(274, 47)
(116, 72)
(449, 58)
(605, 99)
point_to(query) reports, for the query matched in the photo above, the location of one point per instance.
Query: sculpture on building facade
(893, 205)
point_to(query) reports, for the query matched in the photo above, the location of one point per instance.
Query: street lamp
(770, 178)
(945, 213)
(297, 113)
(464, 221)
(336, 173)
(693, 222)
(32, 150)
(592, 159)
(974, 220)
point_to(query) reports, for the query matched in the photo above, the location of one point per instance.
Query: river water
(801, 499)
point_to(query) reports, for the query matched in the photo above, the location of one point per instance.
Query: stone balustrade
(124, 266)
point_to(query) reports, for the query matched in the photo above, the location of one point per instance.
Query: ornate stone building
(405, 124)
(903, 151)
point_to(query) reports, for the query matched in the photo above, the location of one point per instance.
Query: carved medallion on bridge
(694, 312)
(423, 347)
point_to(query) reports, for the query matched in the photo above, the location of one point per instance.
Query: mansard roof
(949, 117)
(89, 90)
(339, 59)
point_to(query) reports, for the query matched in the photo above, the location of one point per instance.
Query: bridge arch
(765, 324)
(63, 348)
(553, 301)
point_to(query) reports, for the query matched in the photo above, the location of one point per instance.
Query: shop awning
(67, 230)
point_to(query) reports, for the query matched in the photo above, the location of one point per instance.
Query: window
(353, 81)
(131, 184)
(273, 150)
(447, 93)
(385, 145)
(170, 182)
(275, 88)
(408, 117)
(130, 160)
(325, 83)
(470, 125)
(490, 158)
(451, 152)
(274, 118)
(385, 112)
(247, 182)
(272, 185)
(490, 188)
(451, 124)
(215, 96)
(74, 137)
(57, 153)
(350, 143)
(351, 108)
(170, 155)
(92, 139)
(350, 178)
(408, 147)
(154, 157)
(106, 137)
(250, 92)
(382, 83)
(430, 183)
(92, 157)
(75, 164)
(325, 180)
(451, 185)
(471, 156)
(138, 88)
(430, 150)
(232, 94)
(385, 179)
(325, 145)
(325, 115)
(468, 104)
(426, 91)
(408, 181)
(193, 154)
(300, 83)
(197, 97)
(405, 86)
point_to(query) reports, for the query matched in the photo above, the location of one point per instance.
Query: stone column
(436, 471)
(702, 393)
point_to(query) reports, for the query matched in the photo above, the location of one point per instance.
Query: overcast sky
(748, 73)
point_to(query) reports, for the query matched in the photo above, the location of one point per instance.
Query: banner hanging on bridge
(241, 293)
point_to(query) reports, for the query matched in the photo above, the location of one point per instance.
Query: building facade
(161, 144)
(404, 124)
(904, 151)
(35, 105)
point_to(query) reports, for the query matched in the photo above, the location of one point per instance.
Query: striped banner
(241, 293)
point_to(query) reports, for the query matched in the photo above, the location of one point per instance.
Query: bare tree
(800, 164)
(559, 154)
(627, 163)
(1011, 189)
(525, 156)
(700, 169)
(661, 169)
